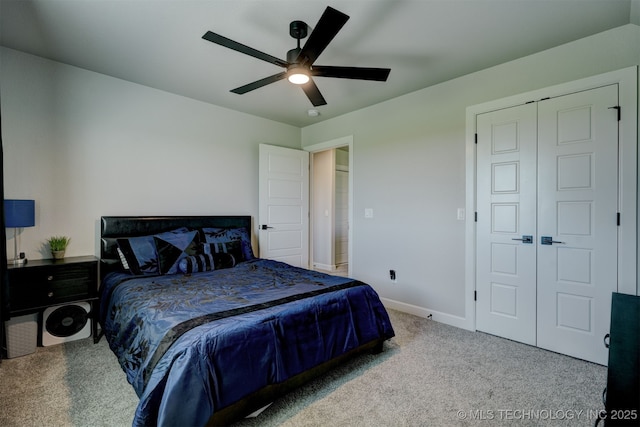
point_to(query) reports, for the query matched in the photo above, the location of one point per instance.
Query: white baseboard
(449, 319)
(325, 267)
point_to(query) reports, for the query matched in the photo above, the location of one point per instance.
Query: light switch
(368, 213)
(460, 214)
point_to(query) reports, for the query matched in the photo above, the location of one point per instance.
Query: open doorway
(330, 206)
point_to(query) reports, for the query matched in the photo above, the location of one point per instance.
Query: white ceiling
(158, 43)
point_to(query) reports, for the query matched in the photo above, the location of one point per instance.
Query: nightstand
(39, 284)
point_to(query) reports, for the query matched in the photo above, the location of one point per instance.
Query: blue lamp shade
(19, 213)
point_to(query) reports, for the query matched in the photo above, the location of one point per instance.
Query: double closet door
(547, 235)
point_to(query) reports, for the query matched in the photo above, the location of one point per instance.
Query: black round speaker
(66, 320)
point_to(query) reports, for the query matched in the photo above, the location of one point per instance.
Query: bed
(207, 333)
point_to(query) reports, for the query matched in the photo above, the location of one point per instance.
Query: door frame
(345, 141)
(627, 79)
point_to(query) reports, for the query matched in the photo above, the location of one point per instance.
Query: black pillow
(233, 248)
(206, 262)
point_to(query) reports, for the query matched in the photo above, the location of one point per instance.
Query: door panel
(506, 268)
(578, 203)
(284, 205)
(342, 217)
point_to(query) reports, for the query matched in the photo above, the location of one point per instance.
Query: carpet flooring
(430, 374)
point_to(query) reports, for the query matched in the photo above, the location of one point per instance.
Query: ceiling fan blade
(328, 26)
(356, 73)
(259, 83)
(313, 93)
(239, 47)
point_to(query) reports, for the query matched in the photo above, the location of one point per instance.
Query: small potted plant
(58, 245)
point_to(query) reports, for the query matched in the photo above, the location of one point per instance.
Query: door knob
(526, 239)
(548, 240)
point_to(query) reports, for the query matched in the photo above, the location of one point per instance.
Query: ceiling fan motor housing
(298, 29)
(292, 55)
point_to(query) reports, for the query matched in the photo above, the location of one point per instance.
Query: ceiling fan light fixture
(298, 75)
(298, 78)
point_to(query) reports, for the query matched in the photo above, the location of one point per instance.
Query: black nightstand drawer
(44, 283)
(69, 281)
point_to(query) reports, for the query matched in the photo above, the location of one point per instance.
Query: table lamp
(18, 214)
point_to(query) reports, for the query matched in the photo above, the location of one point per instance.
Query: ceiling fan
(299, 66)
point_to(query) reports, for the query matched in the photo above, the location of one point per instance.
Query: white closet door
(577, 211)
(549, 170)
(506, 203)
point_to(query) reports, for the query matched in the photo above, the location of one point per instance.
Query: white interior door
(549, 170)
(577, 205)
(506, 223)
(283, 230)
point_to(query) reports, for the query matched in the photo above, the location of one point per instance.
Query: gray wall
(409, 167)
(84, 144)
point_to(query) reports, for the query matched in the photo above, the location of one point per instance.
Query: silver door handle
(548, 240)
(525, 239)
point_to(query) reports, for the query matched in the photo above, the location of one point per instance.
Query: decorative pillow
(224, 261)
(196, 263)
(172, 247)
(232, 248)
(123, 260)
(206, 262)
(140, 254)
(226, 235)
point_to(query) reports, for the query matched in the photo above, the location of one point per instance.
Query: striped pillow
(206, 262)
(196, 263)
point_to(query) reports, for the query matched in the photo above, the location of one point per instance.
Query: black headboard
(114, 227)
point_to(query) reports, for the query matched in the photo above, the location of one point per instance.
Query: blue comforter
(191, 345)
